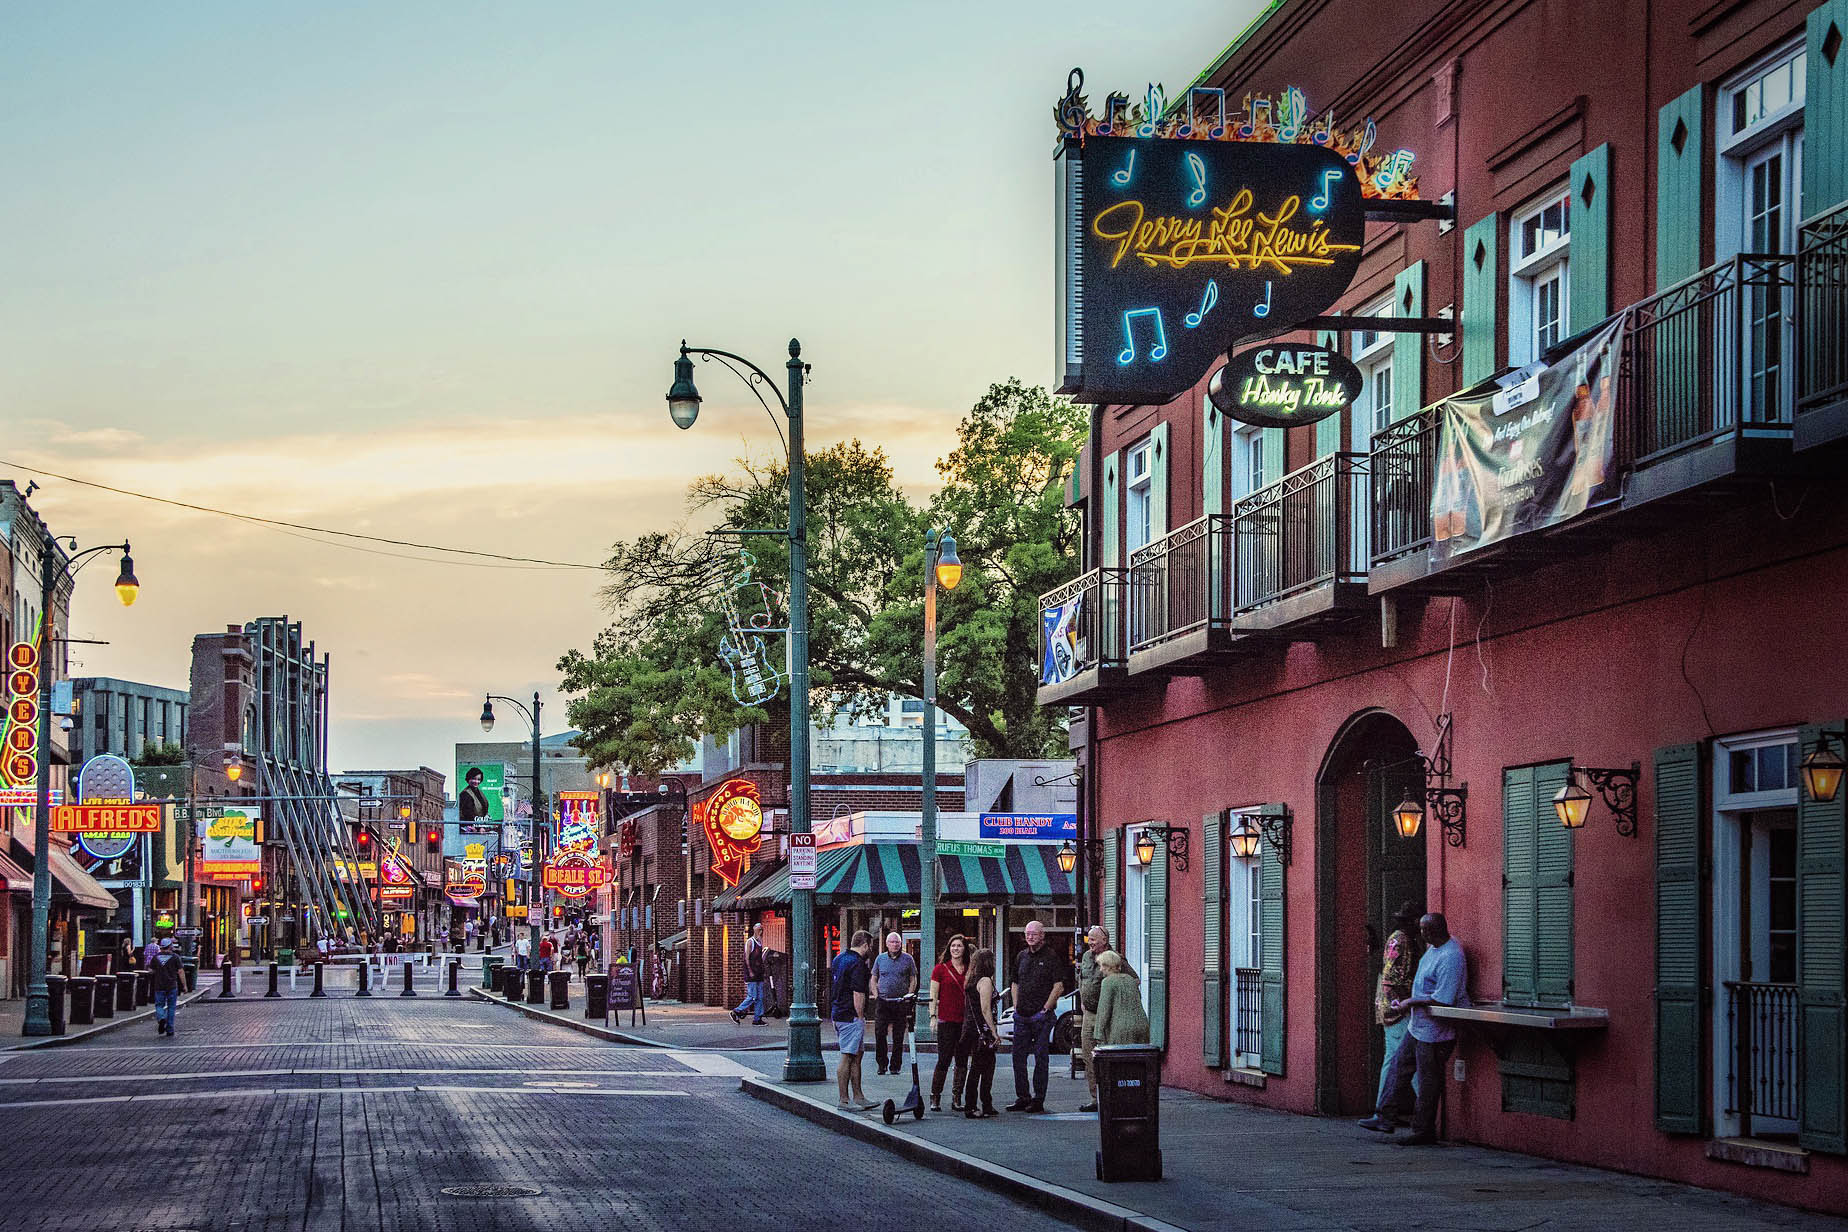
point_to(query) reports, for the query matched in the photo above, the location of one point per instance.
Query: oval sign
(1284, 384)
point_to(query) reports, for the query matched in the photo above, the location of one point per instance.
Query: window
(1539, 288)
(1248, 462)
(1373, 356)
(1139, 509)
(1247, 955)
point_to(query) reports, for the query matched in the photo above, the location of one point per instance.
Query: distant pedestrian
(1120, 1016)
(583, 957)
(1442, 979)
(948, 980)
(755, 964)
(848, 978)
(522, 952)
(151, 950)
(169, 977)
(546, 950)
(981, 1036)
(1041, 976)
(895, 976)
(1395, 984)
(1090, 981)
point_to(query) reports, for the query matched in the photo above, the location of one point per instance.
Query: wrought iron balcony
(1822, 329)
(1180, 597)
(1301, 547)
(1763, 1064)
(1081, 637)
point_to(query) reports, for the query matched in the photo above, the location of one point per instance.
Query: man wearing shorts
(848, 978)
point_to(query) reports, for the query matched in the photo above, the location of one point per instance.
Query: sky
(420, 270)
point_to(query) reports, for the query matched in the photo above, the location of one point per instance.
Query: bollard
(561, 990)
(224, 989)
(409, 973)
(365, 980)
(83, 999)
(144, 986)
(273, 972)
(535, 987)
(319, 991)
(455, 978)
(126, 983)
(293, 972)
(54, 989)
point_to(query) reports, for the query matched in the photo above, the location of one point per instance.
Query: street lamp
(532, 872)
(54, 567)
(803, 1062)
(942, 567)
(1822, 770)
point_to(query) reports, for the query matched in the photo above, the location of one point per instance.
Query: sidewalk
(1231, 1166)
(670, 1024)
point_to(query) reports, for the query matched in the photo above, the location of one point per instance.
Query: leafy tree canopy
(654, 681)
(169, 754)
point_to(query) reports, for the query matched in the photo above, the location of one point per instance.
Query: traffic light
(362, 839)
(433, 840)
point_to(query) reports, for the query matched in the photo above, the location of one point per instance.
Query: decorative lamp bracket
(1273, 824)
(1616, 786)
(1176, 838)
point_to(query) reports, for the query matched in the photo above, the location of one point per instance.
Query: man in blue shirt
(847, 983)
(1442, 979)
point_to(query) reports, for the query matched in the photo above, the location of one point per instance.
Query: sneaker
(1090, 1107)
(757, 1022)
(736, 1018)
(1379, 1124)
(868, 1106)
(1038, 1105)
(1020, 1105)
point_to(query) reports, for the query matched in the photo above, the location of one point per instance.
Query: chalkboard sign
(625, 987)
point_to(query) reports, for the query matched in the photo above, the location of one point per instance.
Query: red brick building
(1270, 631)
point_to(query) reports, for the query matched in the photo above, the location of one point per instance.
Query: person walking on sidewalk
(980, 1037)
(169, 976)
(522, 952)
(1395, 985)
(547, 948)
(1442, 979)
(847, 981)
(1120, 1016)
(895, 973)
(1041, 976)
(755, 963)
(1096, 941)
(948, 980)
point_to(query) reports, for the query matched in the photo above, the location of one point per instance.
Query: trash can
(513, 983)
(126, 983)
(596, 996)
(103, 1006)
(144, 983)
(535, 987)
(490, 971)
(561, 990)
(1128, 1112)
(54, 990)
(83, 1000)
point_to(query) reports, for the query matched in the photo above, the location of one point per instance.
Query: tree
(655, 681)
(168, 754)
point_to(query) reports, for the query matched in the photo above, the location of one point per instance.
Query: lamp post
(942, 567)
(53, 568)
(533, 881)
(803, 1062)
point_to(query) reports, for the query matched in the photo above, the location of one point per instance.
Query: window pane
(1741, 774)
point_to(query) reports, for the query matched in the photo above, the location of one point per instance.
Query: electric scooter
(914, 1102)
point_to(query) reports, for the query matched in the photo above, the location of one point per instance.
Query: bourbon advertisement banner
(1533, 453)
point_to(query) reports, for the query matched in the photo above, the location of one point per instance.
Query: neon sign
(733, 819)
(574, 876)
(744, 649)
(1281, 385)
(21, 740)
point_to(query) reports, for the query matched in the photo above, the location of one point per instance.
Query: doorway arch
(1363, 871)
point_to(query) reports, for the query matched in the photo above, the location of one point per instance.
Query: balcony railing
(1181, 582)
(1301, 532)
(1708, 357)
(1403, 461)
(1249, 1016)
(1763, 1061)
(1081, 627)
(1822, 310)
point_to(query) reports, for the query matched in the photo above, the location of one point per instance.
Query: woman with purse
(979, 1036)
(947, 981)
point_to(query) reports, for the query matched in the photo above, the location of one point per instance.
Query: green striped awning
(888, 872)
(732, 898)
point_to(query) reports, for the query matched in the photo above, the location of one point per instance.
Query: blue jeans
(753, 1000)
(1032, 1037)
(1395, 1035)
(165, 1003)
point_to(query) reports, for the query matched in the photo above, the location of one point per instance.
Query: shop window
(1372, 354)
(1539, 243)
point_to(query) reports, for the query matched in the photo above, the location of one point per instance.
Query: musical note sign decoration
(1187, 231)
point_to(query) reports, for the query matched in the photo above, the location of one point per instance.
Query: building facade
(402, 815)
(1275, 637)
(125, 717)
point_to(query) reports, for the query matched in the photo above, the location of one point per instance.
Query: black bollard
(318, 990)
(455, 977)
(272, 981)
(224, 989)
(83, 1000)
(365, 980)
(409, 991)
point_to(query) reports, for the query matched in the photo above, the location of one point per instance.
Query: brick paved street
(355, 1114)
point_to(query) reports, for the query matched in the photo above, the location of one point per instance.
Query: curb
(589, 1027)
(1079, 1209)
(69, 1038)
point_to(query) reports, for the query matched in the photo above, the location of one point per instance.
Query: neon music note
(1192, 126)
(1319, 202)
(1154, 103)
(1392, 172)
(1291, 109)
(1257, 115)
(1263, 309)
(1366, 144)
(1158, 352)
(1206, 305)
(1196, 170)
(1121, 178)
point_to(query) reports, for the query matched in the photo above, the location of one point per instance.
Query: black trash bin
(83, 1000)
(561, 990)
(103, 1005)
(1128, 1112)
(54, 989)
(126, 983)
(535, 987)
(596, 996)
(144, 986)
(490, 971)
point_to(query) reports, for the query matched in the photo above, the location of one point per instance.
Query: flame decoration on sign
(1283, 120)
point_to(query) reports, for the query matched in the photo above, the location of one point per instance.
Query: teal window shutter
(1825, 109)
(1552, 891)
(1481, 289)
(1212, 458)
(1112, 883)
(1158, 483)
(1327, 431)
(1519, 983)
(1111, 510)
(1155, 930)
(1212, 941)
(1589, 296)
(1271, 1042)
(1677, 940)
(1681, 173)
(1822, 976)
(1408, 350)
(1273, 455)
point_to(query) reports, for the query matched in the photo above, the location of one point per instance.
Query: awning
(13, 878)
(68, 880)
(673, 941)
(730, 899)
(774, 890)
(1029, 874)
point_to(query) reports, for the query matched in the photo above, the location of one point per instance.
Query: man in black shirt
(1041, 976)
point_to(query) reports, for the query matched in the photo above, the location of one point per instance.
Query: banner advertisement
(1533, 453)
(480, 798)
(231, 846)
(1059, 650)
(1047, 827)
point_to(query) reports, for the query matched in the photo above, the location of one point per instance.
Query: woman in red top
(946, 1019)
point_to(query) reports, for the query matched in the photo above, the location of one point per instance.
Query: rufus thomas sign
(1282, 384)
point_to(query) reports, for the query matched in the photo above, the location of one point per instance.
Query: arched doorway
(1363, 871)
